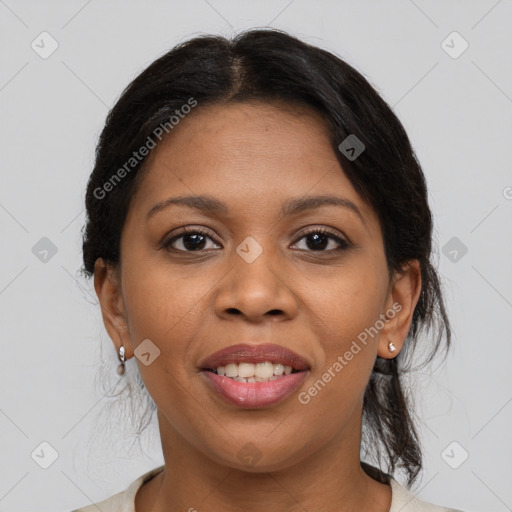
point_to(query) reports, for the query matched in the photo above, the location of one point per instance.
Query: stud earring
(391, 346)
(120, 368)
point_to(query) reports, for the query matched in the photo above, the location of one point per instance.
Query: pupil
(196, 241)
(196, 244)
(320, 241)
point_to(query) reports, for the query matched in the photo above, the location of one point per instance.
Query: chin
(251, 458)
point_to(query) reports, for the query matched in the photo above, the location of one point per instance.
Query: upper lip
(246, 353)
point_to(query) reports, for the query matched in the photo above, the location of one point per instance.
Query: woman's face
(254, 276)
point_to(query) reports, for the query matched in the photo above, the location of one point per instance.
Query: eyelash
(344, 244)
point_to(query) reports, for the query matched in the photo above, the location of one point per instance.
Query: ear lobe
(403, 296)
(108, 290)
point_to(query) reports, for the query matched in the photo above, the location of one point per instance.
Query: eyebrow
(292, 206)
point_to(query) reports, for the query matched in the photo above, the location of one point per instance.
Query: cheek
(161, 298)
(350, 301)
(164, 307)
(349, 308)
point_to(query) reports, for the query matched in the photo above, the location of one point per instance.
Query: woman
(260, 240)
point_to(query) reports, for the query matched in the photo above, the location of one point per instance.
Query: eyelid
(185, 231)
(343, 241)
(327, 230)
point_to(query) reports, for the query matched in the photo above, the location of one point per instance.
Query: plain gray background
(457, 109)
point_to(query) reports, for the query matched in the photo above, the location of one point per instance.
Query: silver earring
(120, 368)
(391, 346)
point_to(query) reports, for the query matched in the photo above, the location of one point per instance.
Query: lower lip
(255, 395)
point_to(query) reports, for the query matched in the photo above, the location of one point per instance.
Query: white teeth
(231, 370)
(278, 369)
(246, 370)
(264, 370)
(259, 372)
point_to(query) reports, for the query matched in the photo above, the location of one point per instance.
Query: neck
(331, 479)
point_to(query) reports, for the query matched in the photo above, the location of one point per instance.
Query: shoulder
(404, 501)
(123, 501)
(112, 504)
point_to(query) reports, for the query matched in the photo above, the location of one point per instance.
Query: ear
(107, 284)
(404, 292)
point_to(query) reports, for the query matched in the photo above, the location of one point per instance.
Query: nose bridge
(254, 286)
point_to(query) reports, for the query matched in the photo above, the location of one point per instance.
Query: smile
(259, 372)
(254, 376)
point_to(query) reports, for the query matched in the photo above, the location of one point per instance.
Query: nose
(256, 289)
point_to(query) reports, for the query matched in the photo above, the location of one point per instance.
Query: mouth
(249, 372)
(254, 376)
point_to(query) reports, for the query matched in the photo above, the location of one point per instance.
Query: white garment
(402, 500)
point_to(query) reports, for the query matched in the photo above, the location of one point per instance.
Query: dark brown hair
(268, 65)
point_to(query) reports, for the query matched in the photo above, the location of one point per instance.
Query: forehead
(249, 155)
(251, 135)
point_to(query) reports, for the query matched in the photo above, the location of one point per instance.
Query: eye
(196, 239)
(320, 238)
(191, 240)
